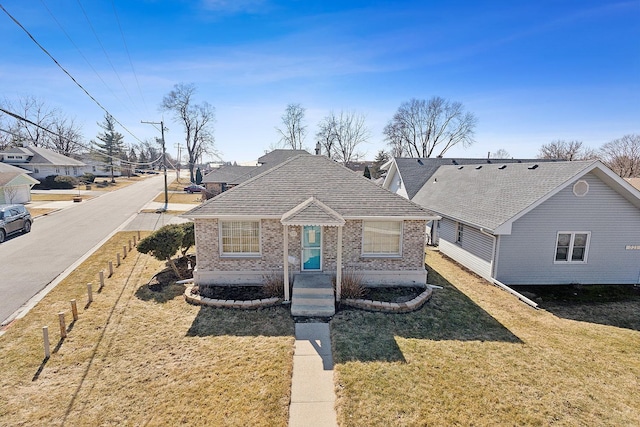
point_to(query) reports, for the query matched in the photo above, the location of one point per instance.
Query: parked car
(195, 188)
(14, 219)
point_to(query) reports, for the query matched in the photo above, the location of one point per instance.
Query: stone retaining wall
(247, 305)
(390, 307)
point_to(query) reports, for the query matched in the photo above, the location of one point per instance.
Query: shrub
(60, 182)
(189, 237)
(351, 286)
(273, 284)
(87, 178)
(163, 244)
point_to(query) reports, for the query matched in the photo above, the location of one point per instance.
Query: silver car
(14, 219)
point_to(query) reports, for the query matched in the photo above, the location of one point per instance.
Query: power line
(105, 52)
(81, 54)
(90, 148)
(126, 48)
(66, 72)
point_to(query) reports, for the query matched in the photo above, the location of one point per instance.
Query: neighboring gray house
(309, 214)
(228, 176)
(406, 175)
(42, 162)
(538, 223)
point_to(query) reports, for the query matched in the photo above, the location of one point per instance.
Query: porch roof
(312, 212)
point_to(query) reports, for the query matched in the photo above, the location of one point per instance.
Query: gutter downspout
(500, 284)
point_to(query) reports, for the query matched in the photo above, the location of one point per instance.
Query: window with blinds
(382, 238)
(240, 237)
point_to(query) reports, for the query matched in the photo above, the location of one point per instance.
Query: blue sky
(531, 71)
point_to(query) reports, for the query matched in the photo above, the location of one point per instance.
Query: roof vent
(420, 162)
(533, 167)
(479, 167)
(460, 167)
(502, 167)
(454, 161)
(581, 188)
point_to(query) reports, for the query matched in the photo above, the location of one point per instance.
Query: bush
(60, 182)
(351, 286)
(273, 284)
(87, 178)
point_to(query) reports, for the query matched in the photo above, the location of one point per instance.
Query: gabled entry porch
(312, 216)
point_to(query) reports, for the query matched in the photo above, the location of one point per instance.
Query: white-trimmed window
(572, 246)
(240, 238)
(381, 238)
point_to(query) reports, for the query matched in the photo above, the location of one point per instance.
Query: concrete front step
(312, 296)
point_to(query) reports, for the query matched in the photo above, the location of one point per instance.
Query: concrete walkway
(312, 391)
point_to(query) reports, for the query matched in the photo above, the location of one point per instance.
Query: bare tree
(11, 192)
(294, 131)
(622, 155)
(566, 150)
(196, 119)
(342, 134)
(501, 154)
(68, 136)
(424, 128)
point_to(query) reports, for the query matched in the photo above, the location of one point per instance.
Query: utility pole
(179, 147)
(164, 161)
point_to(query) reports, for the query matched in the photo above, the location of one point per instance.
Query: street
(28, 263)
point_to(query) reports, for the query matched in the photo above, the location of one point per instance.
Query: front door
(311, 248)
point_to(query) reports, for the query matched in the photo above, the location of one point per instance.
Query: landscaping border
(390, 307)
(246, 305)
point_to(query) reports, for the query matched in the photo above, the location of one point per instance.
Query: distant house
(97, 167)
(15, 185)
(406, 175)
(228, 176)
(41, 162)
(537, 223)
(309, 214)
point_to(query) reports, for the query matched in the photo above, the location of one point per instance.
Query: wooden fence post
(118, 259)
(89, 293)
(138, 234)
(135, 243)
(74, 309)
(101, 278)
(124, 251)
(45, 339)
(63, 326)
(130, 247)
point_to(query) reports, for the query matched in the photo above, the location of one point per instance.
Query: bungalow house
(537, 223)
(309, 214)
(42, 162)
(229, 176)
(15, 184)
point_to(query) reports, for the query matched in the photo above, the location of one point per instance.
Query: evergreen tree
(112, 146)
(367, 173)
(381, 158)
(198, 176)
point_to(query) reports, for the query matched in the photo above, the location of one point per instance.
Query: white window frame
(570, 249)
(224, 254)
(382, 254)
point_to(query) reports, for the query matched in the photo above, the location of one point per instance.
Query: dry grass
(179, 184)
(36, 212)
(55, 197)
(474, 355)
(186, 198)
(143, 357)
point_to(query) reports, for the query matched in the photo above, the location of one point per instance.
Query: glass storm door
(311, 248)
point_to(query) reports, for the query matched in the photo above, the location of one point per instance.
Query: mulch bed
(392, 294)
(238, 293)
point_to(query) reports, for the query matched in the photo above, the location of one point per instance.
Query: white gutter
(182, 282)
(502, 285)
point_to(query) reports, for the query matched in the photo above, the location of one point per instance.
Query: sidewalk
(312, 391)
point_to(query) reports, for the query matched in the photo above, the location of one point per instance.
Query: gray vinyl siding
(527, 255)
(474, 252)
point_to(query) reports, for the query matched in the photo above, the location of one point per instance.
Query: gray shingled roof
(43, 156)
(282, 188)
(491, 195)
(278, 156)
(228, 173)
(416, 171)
